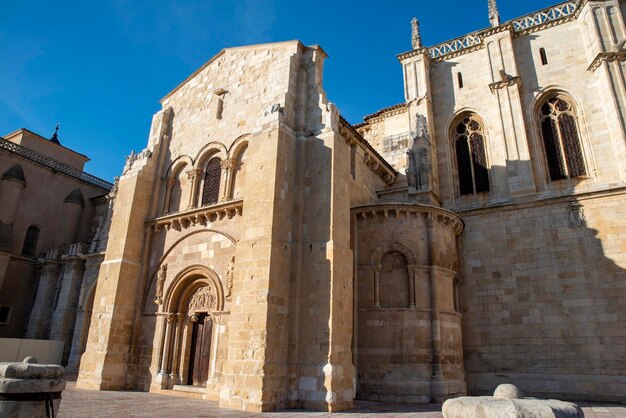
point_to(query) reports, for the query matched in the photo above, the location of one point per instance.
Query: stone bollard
(508, 402)
(30, 390)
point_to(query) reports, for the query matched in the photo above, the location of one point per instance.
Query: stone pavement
(86, 403)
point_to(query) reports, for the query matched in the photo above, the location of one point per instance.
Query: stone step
(195, 392)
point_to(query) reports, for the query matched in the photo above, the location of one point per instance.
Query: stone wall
(543, 297)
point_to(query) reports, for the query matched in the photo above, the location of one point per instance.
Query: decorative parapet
(372, 159)
(545, 16)
(552, 16)
(471, 41)
(431, 214)
(198, 216)
(53, 165)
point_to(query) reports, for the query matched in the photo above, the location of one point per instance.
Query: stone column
(64, 316)
(437, 369)
(162, 376)
(39, 323)
(194, 176)
(412, 272)
(228, 167)
(177, 348)
(377, 271)
(169, 184)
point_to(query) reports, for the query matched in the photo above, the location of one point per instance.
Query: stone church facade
(265, 253)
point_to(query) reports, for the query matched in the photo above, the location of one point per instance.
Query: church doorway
(200, 352)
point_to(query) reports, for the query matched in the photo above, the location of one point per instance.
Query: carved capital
(171, 318)
(229, 164)
(170, 181)
(378, 268)
(193, 174)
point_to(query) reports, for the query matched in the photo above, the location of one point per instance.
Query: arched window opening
(459, 77)
(471, 156)
(30, 242)
(561, 141)
(544, 57)
(179, 183)
(394, 281)
(212, 176)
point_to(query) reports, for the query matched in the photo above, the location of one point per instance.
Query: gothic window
(30, 242)
(471, 156)
(212, 175)
(561, 141)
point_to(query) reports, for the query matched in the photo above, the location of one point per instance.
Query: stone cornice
(414, 310)
(541, 201)
(431, 214)
(372, 159)
(200, 216)
(606, 57)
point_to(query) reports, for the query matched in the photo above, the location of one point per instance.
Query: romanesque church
(265, 253)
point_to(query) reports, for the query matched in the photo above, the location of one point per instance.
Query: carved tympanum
(204, 299)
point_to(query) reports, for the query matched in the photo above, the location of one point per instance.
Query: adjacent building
(52, 237)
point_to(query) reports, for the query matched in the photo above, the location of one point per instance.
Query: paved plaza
(85, 403)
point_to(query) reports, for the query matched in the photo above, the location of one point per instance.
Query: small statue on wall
(418, 157)
(160, 284)
(229, 276)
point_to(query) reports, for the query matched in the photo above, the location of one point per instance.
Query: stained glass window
(212, 175)
(471, 156)
(561, 141)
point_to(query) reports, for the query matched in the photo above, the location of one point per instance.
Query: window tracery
(561, 140)
(471, 156)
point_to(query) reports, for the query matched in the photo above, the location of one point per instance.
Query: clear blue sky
(101, 67)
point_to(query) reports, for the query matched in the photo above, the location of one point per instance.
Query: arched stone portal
(192, 305)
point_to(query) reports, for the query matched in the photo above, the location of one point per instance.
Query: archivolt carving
(204, 299)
